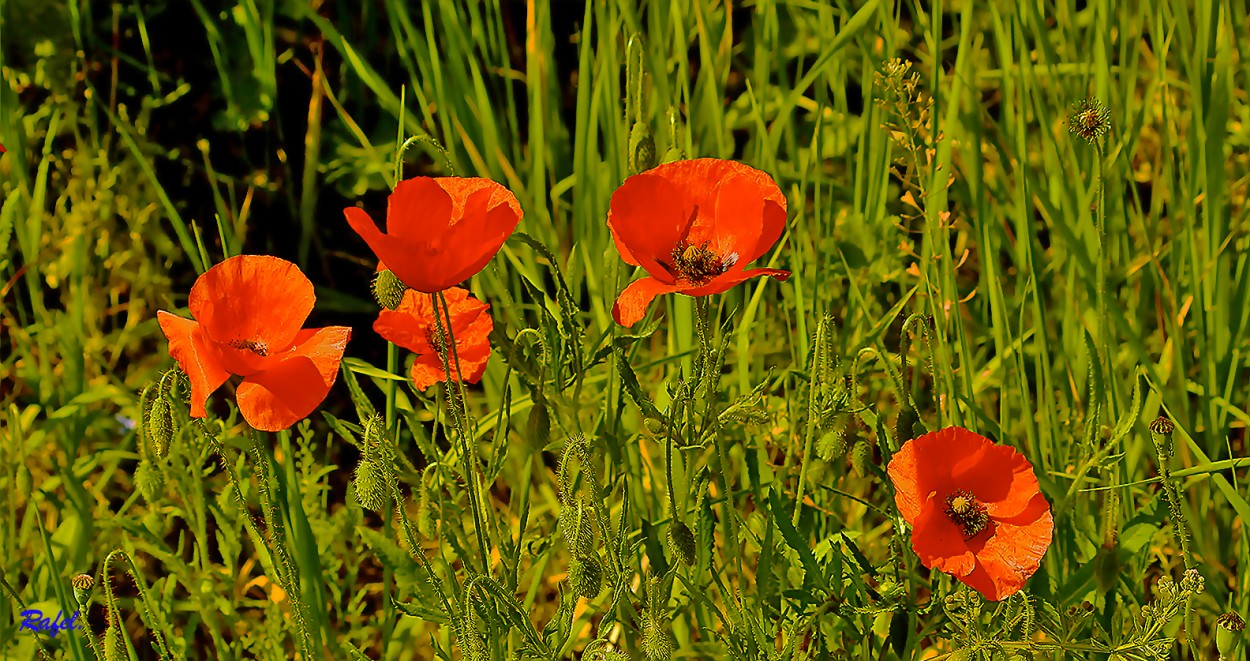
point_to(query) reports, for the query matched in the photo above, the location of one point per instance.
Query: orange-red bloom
(412, 327)
(975, 508)
(248, 312)
(440, 230)
(693, 226)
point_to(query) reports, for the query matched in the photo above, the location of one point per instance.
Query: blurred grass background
(148, 140)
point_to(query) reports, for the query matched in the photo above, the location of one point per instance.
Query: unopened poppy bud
(831, 444)
(1161, 429)
(149, 481)
(1228, 634)
(372, 484)
(82, 588)
(160, 425)
(586, 576)
(673, 154)
(576, 521)
(899, 631)
(539, 424)
(657, 643)
(427, 513)
(681, 539)
(641, 148)
(861, 457)
(387, 290)
(1106, 568)
(904, 427)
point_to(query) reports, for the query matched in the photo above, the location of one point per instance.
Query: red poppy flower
(412, 327)
(248, 312)
(440, 231)
(693, 226)
(2, 149)
(975, 509)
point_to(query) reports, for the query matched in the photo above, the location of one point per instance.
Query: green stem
(460, 415)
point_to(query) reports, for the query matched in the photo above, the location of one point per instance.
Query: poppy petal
(406, 325)
(733, 278)
(195, 354)
(289, 391)
(256, 299)
(406, 259)
(481, 236)
(770, 233)
(427, 369)
(939, 543)
(648, 216)
(730, 223)
(631, 306)
(1008, 558)
(418, 209)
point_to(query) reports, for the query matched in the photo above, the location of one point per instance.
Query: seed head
(1228, 634)
(82, 584)
(1089, 120)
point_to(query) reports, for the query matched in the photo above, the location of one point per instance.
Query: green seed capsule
(1228, 634)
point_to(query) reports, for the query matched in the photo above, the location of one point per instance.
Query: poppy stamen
(965, 511)
(255, 346)
(699, 265)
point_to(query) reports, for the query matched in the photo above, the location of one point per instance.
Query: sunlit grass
(1064, 293)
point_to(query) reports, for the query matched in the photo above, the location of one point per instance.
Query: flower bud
(387, 290)
(149, 481)
(657, 642)
(1228, 634)
(899, 631)
(82, 588)
(1161, 429)
(576, 520)
(831, 444)
(904, 426)
(681, 540)
(160, 425)
(586, 576)
(861, 457)
(113, 644)
(672, 155)
(1106, 568)
(641, 148)
(372, 484)
(539, 424)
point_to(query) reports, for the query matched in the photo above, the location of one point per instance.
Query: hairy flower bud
(387, 290)
(149, 481)
(681, 540)
(160, 425)
(586, 576)
(904, 427)
(641, 148)
(861, 457)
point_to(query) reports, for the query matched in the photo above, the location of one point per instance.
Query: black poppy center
(698, 264)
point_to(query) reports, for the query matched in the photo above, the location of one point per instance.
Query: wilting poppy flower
(248, 312)
(440, 231)
(975, 509)
(693, 226)
(412, 327)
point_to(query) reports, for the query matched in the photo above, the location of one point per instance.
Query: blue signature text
(35, 621)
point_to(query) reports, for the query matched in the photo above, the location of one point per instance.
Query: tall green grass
(1076, 292)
